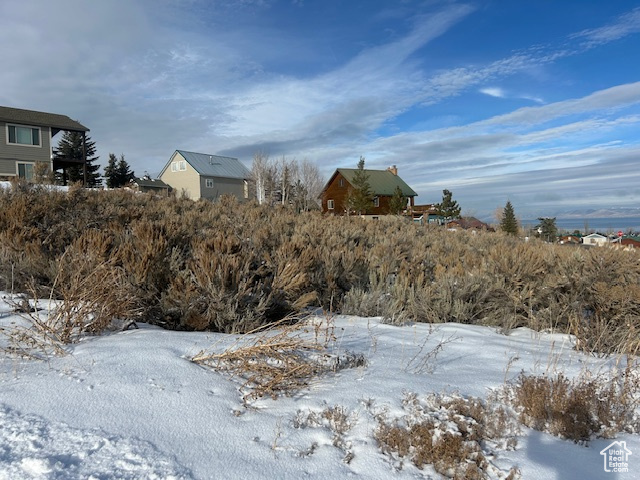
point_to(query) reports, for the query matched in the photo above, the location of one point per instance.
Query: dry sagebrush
(578, 409)
(454, 434)
(232, 267)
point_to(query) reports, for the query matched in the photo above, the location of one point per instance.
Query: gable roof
(215, 165)
(470, 222)
(382, 182)
(40, 119)
(149, 182)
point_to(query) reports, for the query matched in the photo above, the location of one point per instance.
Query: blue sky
(532, 101)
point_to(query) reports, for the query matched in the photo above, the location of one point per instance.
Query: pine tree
(110, 171)
(509, 224)
(547, 229)
(360, 199)
(124, 174)
(448, 208)
(117, 172)
(398, 202)
(70, 148)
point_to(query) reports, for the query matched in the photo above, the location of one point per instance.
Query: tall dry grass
(232, 267)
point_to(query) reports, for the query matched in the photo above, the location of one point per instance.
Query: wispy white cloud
(149, 77)
(493, 92)
(624, 25)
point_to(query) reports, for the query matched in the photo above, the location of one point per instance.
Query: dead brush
(337, 420)
(578, 409)
(87, 299)
(273, 360)
(451, 433)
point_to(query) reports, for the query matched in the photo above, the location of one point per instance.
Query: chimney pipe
(393, 169)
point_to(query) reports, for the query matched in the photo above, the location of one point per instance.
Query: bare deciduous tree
(259, 173)
(311, 182)
(286, 181)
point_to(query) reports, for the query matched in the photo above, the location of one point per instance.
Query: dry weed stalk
(273, 360)
(90, 297)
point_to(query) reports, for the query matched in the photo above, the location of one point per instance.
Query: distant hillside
(619, 212)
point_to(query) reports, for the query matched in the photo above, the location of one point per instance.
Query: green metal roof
(382, 182)
(40, 119)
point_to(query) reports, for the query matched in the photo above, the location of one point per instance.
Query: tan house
(26, 140)
(199, 175)
(383, 184)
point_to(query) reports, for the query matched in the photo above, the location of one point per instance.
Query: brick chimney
(393, 169)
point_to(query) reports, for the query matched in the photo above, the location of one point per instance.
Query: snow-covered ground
(132, 405)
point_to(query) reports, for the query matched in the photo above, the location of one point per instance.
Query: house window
(25, 170)
(209, 182)
(376, 201)
(179, 166)
(246, 189)
(341, 182)
(23, 135)
(330, 205)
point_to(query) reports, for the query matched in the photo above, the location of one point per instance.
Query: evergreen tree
(509, 224)
(110, 171)
(70, 148)
(124, 174)
(448, 208)
(117, 172)
(398, 202)
(360, 199)
(547, 229)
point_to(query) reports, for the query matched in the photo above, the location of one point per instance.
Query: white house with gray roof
(200, 175)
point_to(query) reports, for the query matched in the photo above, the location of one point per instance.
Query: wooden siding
(222, 186)
(336, 193)
(11, 154)
(187, 181)
(339, 195)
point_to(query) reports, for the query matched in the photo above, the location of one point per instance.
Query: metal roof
(382, 182)
(216, 165)
(150, 182)
(40, 119)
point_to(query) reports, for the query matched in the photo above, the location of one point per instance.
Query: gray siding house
(199, 175)
(26, 140)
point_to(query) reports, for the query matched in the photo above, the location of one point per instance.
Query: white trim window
(376, 201)
(23, 135)
(25, 170)
(179, 166)
(209, 182)
(330, 205)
